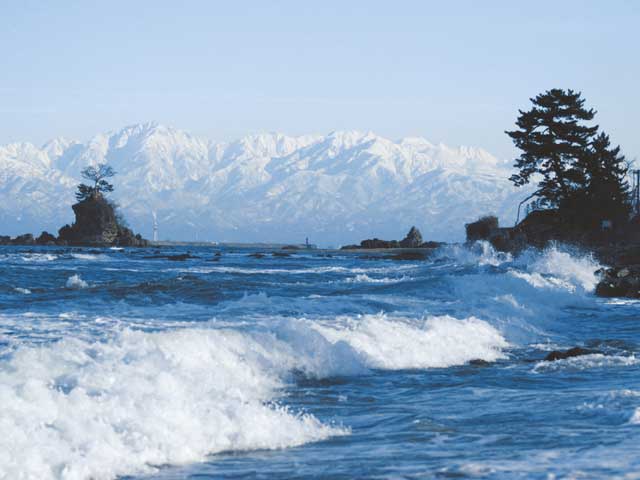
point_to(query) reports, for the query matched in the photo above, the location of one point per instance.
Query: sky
(454, 72)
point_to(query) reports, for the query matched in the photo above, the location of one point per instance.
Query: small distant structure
(155, 226)
(636, 192)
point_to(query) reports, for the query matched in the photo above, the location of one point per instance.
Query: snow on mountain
(335, 189)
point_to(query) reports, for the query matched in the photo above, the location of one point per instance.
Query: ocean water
(121, 364)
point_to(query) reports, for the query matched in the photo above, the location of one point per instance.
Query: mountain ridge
(334, 188)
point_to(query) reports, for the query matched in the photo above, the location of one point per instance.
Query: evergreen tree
(607, 192)
(98, 176)
(553, 141)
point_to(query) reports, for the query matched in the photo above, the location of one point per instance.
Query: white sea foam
(88, 256)
(578, 271)
(79, 410)
(478, 253)
(587, 362)
(635, 418)
(298, 271)
(39, 257)
(76, 281)
(364, 278)
(435, 342)
(24, 291)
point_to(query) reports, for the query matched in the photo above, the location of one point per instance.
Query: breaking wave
(78, 409)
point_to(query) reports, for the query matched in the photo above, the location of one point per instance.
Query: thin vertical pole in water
(636, 174)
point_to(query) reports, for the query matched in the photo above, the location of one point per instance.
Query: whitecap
(88, 256)
(75, 281)
(587, 362)
(401, 343)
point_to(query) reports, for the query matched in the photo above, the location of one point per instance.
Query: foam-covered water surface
(134, 364)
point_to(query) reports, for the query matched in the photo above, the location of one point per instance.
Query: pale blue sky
(453, 71)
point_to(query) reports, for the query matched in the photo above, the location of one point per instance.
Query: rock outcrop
(46, 238)
(26, 239)
(413, 239)
(97, 225)
(619, 282)
(572, 352)
(537, 230)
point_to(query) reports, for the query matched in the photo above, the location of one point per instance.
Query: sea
(139, 364)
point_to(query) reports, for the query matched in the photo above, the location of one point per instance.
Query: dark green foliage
(553, 139)
(607, 191)
(578, 172)
(98, 176)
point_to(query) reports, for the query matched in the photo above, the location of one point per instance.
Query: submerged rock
(572, 352)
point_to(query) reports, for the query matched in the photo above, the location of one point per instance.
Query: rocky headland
(618, 248)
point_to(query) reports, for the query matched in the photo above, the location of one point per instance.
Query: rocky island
(97, 221)
(413, 239)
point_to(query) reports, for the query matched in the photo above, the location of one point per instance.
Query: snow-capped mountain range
(335, 189)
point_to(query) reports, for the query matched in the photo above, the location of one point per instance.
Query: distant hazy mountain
(335, 189)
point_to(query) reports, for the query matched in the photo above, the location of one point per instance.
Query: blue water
(125, 364)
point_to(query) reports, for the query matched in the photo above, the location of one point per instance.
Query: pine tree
(98, 176)
(607, 192)
(553, 140)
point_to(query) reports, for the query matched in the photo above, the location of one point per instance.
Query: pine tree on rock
(98, 176)
(553, 139)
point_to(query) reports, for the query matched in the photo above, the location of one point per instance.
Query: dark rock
(5, 240)
(256, 255)
(377, 243)
(180, 258)
(572, 352)
(407, 256)
(619, 282)
(97, 224)
(502, 239)
(432, 244)
(175, 258)
(412, 240)
(218, 254)
(623, 273)
(26, 239)
(478, 362)
(46, 238)
(481, 229)
(281, 254)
